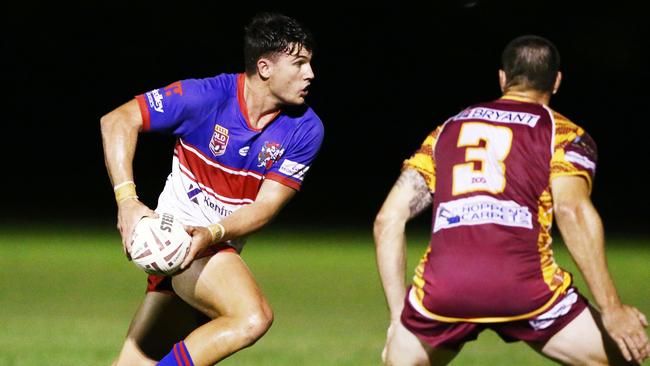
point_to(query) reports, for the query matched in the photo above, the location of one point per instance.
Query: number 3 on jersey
(490, 176)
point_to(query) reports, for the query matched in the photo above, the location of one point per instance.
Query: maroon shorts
(160, 283)
(453, 335)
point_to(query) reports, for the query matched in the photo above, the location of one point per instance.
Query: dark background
(386, 74)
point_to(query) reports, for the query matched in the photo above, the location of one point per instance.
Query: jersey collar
(518, 99)
(241, 80)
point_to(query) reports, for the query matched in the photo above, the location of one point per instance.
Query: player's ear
(264, 66)
(502, 80)
(558, 81)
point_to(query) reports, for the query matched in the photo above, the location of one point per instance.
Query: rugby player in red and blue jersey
(495, 175)
(244, 144)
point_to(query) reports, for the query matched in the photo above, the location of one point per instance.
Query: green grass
(67, 296)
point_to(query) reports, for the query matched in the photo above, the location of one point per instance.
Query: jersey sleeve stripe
(283, 180)
(144, 112)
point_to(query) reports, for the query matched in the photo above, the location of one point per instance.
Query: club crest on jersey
(219, 140)
(269, 154)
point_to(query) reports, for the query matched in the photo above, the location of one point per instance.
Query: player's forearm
(408, 197)
(390, 243)
(582, 230)
(246, 220)
(270, 200)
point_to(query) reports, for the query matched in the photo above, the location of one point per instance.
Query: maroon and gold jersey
(490, 168)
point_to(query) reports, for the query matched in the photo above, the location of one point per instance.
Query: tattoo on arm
(422, 197)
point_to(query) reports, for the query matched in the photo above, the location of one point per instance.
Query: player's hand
(389, 335)
(129, 212)
(625, 324)
(201, 239)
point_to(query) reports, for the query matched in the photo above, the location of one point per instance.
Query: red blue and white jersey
(220, 160)
(490, 169)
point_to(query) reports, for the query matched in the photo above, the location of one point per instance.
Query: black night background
(386, 74)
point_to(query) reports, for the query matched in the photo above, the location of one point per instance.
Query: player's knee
(255, 324)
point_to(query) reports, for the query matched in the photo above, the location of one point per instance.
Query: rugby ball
(159, 245)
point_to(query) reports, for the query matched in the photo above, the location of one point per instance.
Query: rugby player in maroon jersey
(496, 175)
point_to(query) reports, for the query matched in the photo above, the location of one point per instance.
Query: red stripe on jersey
(222, 180)
(177, 355)
(219, 164)
(283, 180)
(184, 355)
(242, 102)
(144, 112)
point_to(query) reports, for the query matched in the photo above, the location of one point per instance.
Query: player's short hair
(270, 33)
(531, 62)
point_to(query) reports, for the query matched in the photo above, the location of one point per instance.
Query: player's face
(291, 76)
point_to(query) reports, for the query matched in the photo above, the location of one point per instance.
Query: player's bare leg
(161, 320)
(403, 348)
(223, 288)
(582, 342)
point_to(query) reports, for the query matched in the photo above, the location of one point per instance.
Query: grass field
(67, 296)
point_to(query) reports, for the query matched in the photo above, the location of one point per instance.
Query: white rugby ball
(159, 245)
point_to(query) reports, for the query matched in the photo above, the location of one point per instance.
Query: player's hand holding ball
(129, 212)
(202, 237)
(160, 244)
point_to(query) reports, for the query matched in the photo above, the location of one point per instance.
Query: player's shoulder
(565, 126)
(218, 85)
(202, 93)
(569, 132)
(435, 133)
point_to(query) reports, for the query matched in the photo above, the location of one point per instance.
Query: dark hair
(532, 62)
(270, 33)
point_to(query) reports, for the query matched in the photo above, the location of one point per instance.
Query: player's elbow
(571, 214)
(566, 210)
(106, 120)
(109, 121)
(388, 219)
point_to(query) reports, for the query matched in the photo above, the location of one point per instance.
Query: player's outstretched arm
(582, 231)
(120, 129)
(250, 218)
(408, 198)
